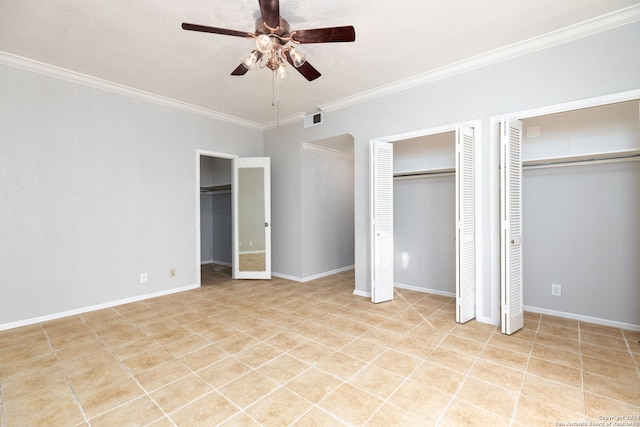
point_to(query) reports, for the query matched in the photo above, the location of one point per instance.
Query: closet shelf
(594, 157)
(216, 189)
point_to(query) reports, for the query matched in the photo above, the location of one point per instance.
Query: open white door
(465, 226)
(381, 167)
(251, 213)
(511, 226)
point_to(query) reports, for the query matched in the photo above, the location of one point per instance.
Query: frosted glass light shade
(298, 58)
(250, 60)
(263, 43)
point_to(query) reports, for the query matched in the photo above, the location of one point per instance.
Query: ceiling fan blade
(270, 11)
(305, 69)
(242, 69)
(214, 30)
(325, 35)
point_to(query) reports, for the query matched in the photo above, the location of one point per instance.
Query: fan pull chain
(273, 88)
(275, 101)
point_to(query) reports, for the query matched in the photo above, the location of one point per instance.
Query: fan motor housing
(282, 31)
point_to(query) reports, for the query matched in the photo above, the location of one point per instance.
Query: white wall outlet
(250, 242)
(172, 272)
(556, 290)
(144, 278)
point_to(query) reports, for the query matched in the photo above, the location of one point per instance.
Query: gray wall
(581, 230)
(327, 211)
(604, 63)
(97, 188)
(424, 214)
(214, 171)
(423, 233)
(429, 152)
(286, 207)
(602, 129)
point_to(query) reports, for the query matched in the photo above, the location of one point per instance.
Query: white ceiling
(140, 44)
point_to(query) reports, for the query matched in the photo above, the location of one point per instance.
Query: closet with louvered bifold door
(580, 213)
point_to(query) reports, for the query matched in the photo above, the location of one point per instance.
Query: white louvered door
(511, 226)
(465, 226)
(381, 155)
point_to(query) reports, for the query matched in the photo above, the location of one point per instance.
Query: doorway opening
(214, 235)
(424, 213)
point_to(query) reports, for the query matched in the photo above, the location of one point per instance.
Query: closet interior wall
(215, 210)
(580, 212)
(424, 213)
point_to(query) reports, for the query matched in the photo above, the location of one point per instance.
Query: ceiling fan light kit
(272, 36)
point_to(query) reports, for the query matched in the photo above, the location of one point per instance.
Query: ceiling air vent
(313, 119)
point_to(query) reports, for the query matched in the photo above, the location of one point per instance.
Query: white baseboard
(327, 273)
(315, 276)
(286, 276)
(424, 290)
(583, 318)
(214, 261)
(362, 293)
(488, 320)
(74, 312)
(409, 288)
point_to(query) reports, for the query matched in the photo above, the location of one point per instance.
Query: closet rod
(215, 192)
(424, 174)
(583, 162)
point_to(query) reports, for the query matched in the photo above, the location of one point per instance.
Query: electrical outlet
(172, 272)
(250, 242)
(144, 278)
(556, 290)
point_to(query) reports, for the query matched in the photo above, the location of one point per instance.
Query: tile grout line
(2, 412)
(584, 394)
(64, 371)
(525, 372)
(387, 400)
(131, 375)
(635, 362)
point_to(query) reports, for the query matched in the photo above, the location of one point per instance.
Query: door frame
(204, 153)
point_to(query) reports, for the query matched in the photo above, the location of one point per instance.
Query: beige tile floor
(278, 353)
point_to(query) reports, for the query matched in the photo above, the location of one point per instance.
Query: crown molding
(287, 120)
(573, 32)
(564, 35)
(84, 79)
(307, 146)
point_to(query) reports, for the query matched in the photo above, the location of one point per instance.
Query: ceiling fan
(272, 35)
